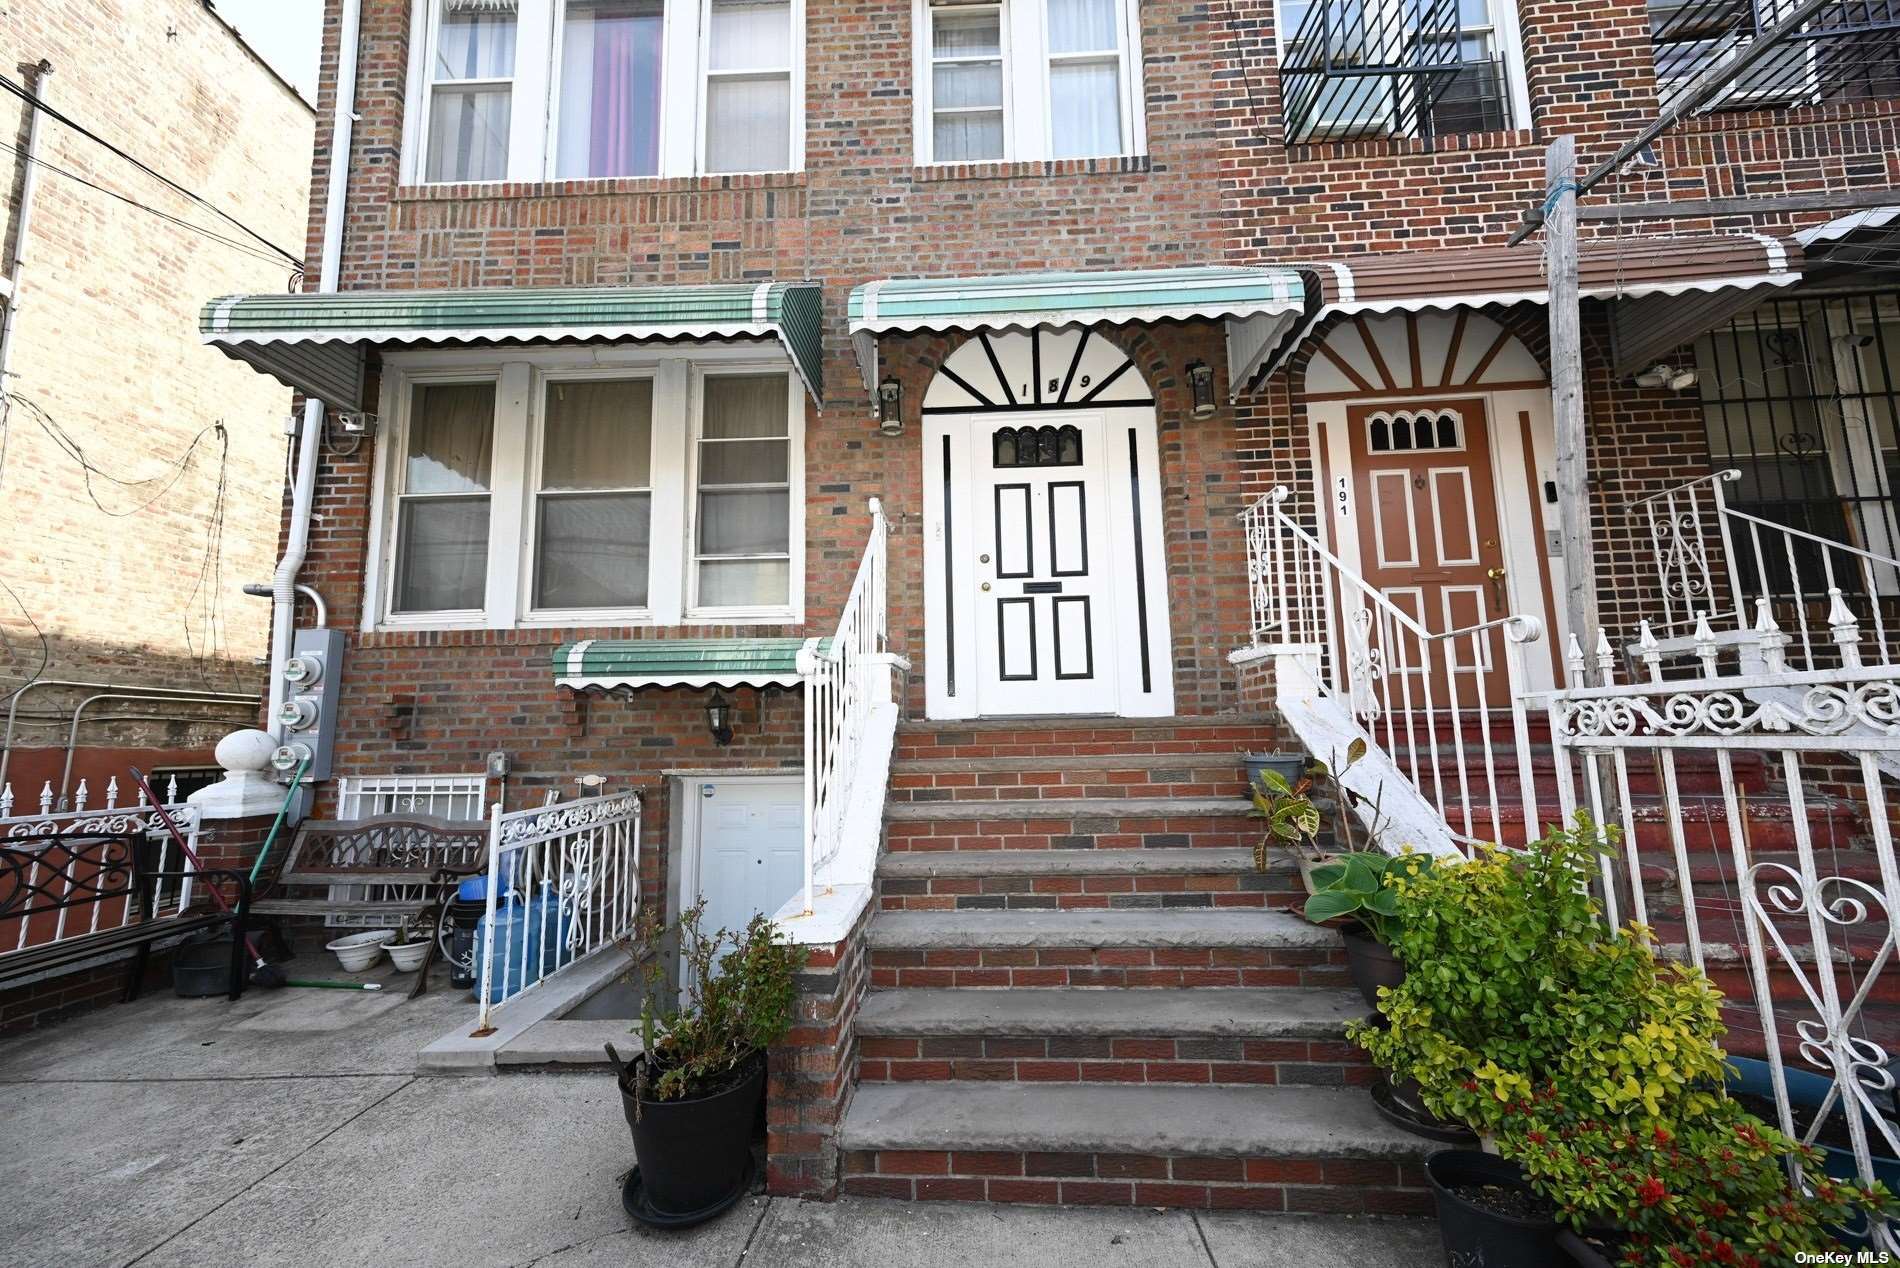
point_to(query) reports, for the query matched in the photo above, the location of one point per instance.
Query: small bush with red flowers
(1594, 1064)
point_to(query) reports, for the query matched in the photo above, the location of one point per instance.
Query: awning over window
(316, 342)
(1258, 305)
(678, 662)
(1665, 289)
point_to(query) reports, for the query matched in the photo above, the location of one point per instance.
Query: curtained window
(442, 511)
(471, 90)
(749, 86)
(1085, 113)
(966, 84)
(593, 510)
(744, 501)
(610, 88)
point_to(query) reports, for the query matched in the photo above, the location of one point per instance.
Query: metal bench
(382, 870)
(68, 899)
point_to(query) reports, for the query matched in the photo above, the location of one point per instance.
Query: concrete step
(938, 880)
(1159, 949)
(1082, 823)
(1237, 1036)
(1263, 1148)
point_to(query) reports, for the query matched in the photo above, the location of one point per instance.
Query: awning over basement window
(316, 342)
(678, 662)
(1665, 289)
(1258, 305)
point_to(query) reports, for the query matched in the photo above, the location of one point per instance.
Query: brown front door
(1428, 538)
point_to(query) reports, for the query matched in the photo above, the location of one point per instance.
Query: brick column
(813, 1071)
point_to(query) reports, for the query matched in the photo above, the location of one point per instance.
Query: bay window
(588, 487)
(532, 90)
(1027, 79)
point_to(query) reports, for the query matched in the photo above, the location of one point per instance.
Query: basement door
(1428, 537)
(749, 854)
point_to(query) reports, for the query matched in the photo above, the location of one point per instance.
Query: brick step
(1126, 775)
(1771, 823)
(1085, 736)
(1693, 777)
(1257, 1148)
(974, 880)
(1133, 1036)
(1234, 947)
(1076, 824)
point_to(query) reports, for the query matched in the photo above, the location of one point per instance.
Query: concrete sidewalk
(292, 1129)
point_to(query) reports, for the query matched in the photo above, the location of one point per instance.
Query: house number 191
(1342, 497)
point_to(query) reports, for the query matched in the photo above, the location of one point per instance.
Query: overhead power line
(33, 103)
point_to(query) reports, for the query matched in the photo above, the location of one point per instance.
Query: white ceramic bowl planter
(360, 950)
(407, 956)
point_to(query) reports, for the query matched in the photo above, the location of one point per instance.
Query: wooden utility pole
(1566, 390)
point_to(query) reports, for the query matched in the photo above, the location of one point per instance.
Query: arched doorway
(1045, 589)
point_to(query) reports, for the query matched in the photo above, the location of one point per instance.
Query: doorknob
(1496, 574)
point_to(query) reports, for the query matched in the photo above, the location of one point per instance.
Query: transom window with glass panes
(1027, 79)
(560, 491)
(529, 90)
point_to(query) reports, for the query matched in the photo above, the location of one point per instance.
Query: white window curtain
(611, 53)
(749, 86)
(966, 85)
(743, 537)
(442, 516)
(472, 91)
(593, 514)
(1085, 116)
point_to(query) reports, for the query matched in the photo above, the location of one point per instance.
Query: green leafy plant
(1293, 821)
(740, 994)
(1355, 886)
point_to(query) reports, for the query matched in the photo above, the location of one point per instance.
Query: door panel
(751, 848)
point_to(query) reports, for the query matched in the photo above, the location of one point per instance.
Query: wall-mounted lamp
(719, 718)
(1665, 375)
(890, 407)
(1201, 382)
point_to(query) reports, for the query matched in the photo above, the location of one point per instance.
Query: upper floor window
(1844, 50)
(528, 90)
(1027, 79)
(1351, 69)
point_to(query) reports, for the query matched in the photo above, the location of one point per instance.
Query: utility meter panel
(307, 721)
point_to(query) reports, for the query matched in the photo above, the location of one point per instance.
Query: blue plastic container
(525, 943)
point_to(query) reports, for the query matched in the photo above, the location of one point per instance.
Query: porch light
(719, 718)
(1664, 375)
(1201, 381)
(890, 407)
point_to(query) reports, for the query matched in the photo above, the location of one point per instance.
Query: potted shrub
(693, 1095)
(1488, 1213)
(1353, 894)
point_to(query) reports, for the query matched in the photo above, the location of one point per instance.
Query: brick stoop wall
(812, 1073)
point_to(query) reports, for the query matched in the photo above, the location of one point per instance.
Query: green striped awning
(315, 342)
(1258, 305)
(678, 662)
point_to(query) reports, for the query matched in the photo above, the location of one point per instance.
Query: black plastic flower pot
(695, 1155)
(1372, 963)
(1466, 1184)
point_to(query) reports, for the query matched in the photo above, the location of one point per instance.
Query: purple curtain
(625, 136)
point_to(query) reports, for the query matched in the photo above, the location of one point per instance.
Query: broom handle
(224, 905)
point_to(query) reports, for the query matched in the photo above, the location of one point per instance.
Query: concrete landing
(1186, 927)
(1203, 1013)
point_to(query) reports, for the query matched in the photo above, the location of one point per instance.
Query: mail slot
(1042, 587)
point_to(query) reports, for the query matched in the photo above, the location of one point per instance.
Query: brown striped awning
(1664, 289)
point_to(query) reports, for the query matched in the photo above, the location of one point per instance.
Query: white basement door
(751, 853)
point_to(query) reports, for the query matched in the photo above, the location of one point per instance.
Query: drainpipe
(29, 182)
(303, 491)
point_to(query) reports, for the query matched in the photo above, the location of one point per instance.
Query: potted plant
(1353, 894)
(692, 1096)
(1294, 816)
(410, 946)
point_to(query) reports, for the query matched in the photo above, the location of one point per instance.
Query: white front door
(751, 847)
(1039, 580)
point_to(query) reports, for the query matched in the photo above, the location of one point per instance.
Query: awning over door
(316, 342)
(1665, 289)
(677, 662)
(1258, 305)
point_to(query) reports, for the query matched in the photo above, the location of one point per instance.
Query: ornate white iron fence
(563, 882)
(1429, 700)
(40, 928)
(850, 719)
(1779, 877)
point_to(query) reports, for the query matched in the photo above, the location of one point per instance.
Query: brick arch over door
(1385, 354)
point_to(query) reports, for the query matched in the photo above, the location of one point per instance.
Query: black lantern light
(890, 407)
(719, 718)
(1201, 382)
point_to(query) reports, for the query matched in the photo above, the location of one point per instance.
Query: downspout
(28, 183)
(303, 491)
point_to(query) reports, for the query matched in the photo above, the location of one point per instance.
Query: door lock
(982, 559)
(986, 585)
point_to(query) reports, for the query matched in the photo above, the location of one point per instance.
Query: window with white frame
(553, 489)
(529, 90)
(1027, 79)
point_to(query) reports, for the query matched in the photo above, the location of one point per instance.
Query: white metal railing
(40, 927)
(1425, 698)
(1722, 566)
(563, 882)
(847, 683)
(1778, 873)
